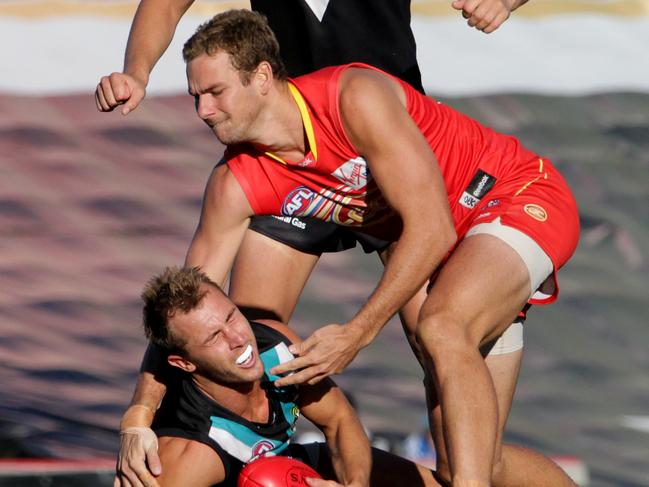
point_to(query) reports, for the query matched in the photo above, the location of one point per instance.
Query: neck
(246, 400)
(282, 130)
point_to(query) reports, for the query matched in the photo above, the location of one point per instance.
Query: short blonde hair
(244, 35)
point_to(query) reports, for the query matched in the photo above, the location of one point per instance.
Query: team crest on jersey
(535, 211)
(261, 448)
(353, 173)
(297, 201)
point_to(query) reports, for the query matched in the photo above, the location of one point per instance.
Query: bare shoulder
(187, 462)
(221, 181)
(282, 328)
(364, 84)
(224, 192)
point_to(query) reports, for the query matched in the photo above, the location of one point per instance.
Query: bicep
(224, 219)
(186, 462)
(400, 159)
(324, 404)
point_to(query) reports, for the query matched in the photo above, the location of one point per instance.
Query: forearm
(151, 33)
(350, 452)
(516, 4)
(412, 261)
(149, 391)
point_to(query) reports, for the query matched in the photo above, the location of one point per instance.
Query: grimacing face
(222, 101)
(219, 341)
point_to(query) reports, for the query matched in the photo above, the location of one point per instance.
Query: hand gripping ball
(276, 471)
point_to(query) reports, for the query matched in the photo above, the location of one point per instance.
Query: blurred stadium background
(92, 204)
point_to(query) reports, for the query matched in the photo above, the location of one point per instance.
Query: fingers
(458, 4)
(314, 482)
(153, 461)
(314, 373)
(138, 447)
(133, 101)
(291, 366)
(484, 15)
(118, 89)
(496, 22)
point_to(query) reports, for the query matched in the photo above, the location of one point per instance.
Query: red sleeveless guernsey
(487, 174)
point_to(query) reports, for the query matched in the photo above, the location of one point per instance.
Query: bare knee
(442, 334)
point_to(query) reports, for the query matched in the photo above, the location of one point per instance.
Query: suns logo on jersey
(535, 211)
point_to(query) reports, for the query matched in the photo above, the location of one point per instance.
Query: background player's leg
(409, 314)
(388, 469)
(268, 277)
(516, 466)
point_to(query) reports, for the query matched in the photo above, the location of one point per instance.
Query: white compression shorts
(539, 267)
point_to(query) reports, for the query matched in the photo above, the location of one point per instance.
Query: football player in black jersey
(222, 410)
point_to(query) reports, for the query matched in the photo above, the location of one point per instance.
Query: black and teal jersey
(186, 412)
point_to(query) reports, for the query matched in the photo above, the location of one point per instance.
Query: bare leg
(268, 277)
(476, 296)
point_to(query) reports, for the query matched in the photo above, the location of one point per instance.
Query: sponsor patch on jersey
(535, 211)
(297, 201)
(480, 185)
(352, 173)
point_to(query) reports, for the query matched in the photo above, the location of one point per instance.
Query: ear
(181, 363)
(264, 77)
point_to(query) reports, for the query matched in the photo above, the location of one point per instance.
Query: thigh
(268, 277)
(478, 292)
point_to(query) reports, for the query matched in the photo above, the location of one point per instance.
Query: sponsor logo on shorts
(261, 448)
(352, 173)
(535, 211)
(296, 222)
(480, 185)
(297, 201)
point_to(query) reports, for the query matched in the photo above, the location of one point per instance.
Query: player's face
(222, 101)
(219, 340)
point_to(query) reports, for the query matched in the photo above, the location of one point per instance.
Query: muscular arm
(151, 33)
(402, 164)
(325, 405)
(189, 463)
(408, 175)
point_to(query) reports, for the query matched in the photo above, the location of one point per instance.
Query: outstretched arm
(487, 15)
(151, 33)
(373, 112)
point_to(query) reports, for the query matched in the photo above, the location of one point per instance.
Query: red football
(276, 471)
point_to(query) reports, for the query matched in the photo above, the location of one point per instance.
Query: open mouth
(246, 357)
